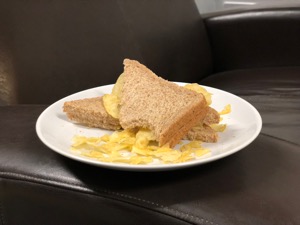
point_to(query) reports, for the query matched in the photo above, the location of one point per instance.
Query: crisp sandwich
(150, 116)
(148, 101)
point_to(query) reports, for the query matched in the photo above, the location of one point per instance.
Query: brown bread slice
(202, 133)
(90, 112)
(212, 117)
(151, 102)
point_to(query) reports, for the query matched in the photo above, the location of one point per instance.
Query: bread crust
(177, 130)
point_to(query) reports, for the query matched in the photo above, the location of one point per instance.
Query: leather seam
(163, 209)
(280, 139)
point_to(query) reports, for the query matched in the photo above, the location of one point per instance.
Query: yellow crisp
(111, 101)
(195, 147)
(111, 104)
(218, 127)
(191, 145)
(132, 147)
(226, 110)
(143, 137)
(117, 88)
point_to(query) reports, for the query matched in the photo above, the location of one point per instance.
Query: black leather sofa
(50, 49)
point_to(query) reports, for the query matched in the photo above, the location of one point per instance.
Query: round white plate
(243, 126)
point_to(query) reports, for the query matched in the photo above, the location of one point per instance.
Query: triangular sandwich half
(148, 101)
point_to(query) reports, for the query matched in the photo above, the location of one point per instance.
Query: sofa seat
(275, 92)
(39, 186)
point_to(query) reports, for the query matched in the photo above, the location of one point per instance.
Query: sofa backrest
(255, 38)
(50, 49)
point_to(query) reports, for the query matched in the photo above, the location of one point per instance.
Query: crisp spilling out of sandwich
(150, 116)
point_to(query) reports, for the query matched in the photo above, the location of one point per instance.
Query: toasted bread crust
(90, 112)
(151, 102)
(177, 130)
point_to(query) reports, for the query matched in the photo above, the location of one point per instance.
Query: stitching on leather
(183, 215)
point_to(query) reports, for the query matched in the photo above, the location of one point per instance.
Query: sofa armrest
(255, 38)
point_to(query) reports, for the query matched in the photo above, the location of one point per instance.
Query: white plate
(243, 126)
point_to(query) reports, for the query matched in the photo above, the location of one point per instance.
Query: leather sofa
(50, 49)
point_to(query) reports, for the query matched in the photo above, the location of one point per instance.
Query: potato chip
(191, 145)
(111, 104)
(143, 137)
(126, 137)
(226, 110)
(218, 127)
(201, 152)
(132, 147)
(111, 101)
(117, 88)
(185, 156)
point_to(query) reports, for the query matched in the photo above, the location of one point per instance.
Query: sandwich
(142, 100)
(91, 112)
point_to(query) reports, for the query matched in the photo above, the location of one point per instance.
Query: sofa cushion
(275, 92)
